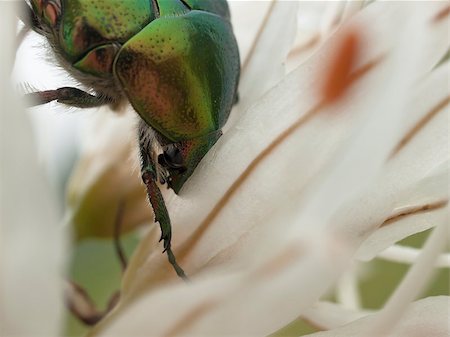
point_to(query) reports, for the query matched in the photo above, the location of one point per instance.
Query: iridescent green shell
(176, 61)
(180, 74)
(89, 23)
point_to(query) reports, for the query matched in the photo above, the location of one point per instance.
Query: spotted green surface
(171, 8)
(89, 23)
(180, 74)
(219, 7)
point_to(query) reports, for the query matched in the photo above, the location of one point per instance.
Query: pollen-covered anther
(337, 77)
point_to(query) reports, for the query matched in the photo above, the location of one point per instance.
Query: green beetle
(176, 62)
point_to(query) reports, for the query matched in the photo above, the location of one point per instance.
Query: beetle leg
(150, 177)
(116, 237)
(69, 96)
(81, 305)
(161, 214)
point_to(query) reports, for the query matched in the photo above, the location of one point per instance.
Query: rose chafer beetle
(175, 61)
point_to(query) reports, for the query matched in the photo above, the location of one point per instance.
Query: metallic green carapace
(184, 87)
(175, 61)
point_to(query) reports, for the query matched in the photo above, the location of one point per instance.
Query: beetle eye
(171, 158)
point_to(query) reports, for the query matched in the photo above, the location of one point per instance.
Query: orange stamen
(337, 78)
(442, 14)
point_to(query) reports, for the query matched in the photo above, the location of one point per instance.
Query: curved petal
(427, 317)
(329, 315)
(259, 223)
(106, 176)
(215, 303)
(225, 163)
(32, 245)
(418, 167)
(409, 255)
(265, 66)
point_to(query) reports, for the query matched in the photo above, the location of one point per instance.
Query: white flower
(303, 183)
(33, 249)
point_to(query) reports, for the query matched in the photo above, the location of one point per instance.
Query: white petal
(419, 171)
(347, 290)
(284, 179)
(106, 175)
(154, 313)
(409, 255)
(427, 317)
(247, 18)
(32, 244)
(216, 302)
(351, 8)
(289, 281)
(265, 67)
(329, 315)
(354, 171)
(273, 192)
(413, 283)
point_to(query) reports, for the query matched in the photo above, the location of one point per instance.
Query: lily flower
(334, 162)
